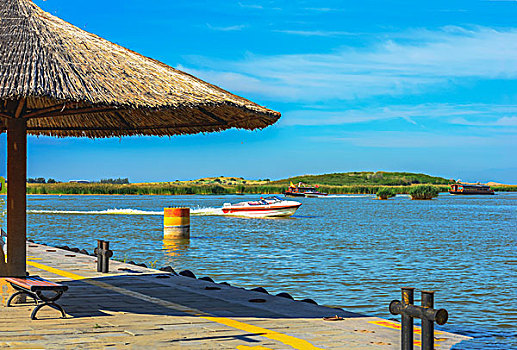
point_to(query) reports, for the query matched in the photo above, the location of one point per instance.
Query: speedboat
(265, 207)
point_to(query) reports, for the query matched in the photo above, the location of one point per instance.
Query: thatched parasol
(58, 80)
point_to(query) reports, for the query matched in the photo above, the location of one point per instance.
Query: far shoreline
(364, 182)
(130, 190)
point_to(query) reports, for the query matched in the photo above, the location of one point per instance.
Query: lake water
(348, 251)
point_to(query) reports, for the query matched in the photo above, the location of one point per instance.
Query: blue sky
(373, 85)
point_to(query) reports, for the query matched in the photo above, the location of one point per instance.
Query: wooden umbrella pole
(16, 192)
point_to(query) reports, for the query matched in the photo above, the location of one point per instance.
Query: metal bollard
(96, 251)
(427, 325)
(426, 313)
(408, 298)
(103, 254)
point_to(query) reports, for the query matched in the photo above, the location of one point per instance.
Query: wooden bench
(34, 286)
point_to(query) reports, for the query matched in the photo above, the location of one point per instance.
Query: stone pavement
(141, 308)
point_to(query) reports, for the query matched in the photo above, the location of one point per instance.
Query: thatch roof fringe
(73, 79)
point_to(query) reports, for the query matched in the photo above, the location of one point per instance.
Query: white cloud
(396, 139)
(411, 62)
(233, 81)
(227, 29)
(315, 32)
(461, 114)
(251, 6)
(507, 121)
(504, 121)
(323, 9)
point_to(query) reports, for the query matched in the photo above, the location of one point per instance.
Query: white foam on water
(206, 211)
(114, 211)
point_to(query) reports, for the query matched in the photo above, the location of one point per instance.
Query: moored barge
(470, 189)
(303, 190)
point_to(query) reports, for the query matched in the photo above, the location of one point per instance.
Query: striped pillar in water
(176, 222)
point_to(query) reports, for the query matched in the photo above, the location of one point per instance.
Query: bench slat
(35, 283)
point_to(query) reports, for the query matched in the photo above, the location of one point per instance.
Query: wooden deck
(142, 308)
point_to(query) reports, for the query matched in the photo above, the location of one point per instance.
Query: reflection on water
(175, 247)
(348, 251)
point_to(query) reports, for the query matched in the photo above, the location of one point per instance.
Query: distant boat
(265, 207)
(470, 189)
(303, 190)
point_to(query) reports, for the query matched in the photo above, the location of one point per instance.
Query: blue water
(350, 251)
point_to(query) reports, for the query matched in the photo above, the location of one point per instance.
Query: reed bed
(66, 188)
(204, 189)
(385, 193)
(423, 192)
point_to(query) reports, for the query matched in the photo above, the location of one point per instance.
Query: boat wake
(206, 211)
(115, 211)
(209, 211)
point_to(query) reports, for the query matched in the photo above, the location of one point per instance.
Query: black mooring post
(427, 325)
(426, 313)
(100, 256)
(407, 321)
(106, 256)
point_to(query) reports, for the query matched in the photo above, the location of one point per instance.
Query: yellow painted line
(397, 326)
(55, 271)
(283, 338)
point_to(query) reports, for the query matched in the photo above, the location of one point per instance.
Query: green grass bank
(368, 178)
